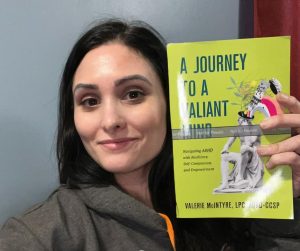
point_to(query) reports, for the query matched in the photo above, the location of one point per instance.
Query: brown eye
(90, 102)
(134, 94)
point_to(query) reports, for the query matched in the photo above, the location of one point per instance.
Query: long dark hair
(75, 164)
(77, 167)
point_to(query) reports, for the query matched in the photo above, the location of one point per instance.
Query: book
(219, 93)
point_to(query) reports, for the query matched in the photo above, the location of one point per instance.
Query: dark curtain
(281, 18)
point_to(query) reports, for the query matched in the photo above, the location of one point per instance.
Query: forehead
(109, 64)
(112, 58)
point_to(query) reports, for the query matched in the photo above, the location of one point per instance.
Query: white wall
(35, 38)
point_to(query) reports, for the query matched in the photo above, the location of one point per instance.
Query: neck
(136, 185)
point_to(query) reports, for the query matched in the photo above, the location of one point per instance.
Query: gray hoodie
(94, 218)
(105, 218)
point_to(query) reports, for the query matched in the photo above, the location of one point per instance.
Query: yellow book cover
(219, 92)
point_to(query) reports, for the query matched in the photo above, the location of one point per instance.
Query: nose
(112, 117)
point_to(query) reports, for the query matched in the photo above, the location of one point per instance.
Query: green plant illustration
(244, 92)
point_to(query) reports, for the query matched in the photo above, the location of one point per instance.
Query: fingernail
(258, 149)
(268, 165)
(282, 96)
(261, 150)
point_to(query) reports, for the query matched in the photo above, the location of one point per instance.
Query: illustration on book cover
(247, 172)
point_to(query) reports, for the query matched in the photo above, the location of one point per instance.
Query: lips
(117, 144)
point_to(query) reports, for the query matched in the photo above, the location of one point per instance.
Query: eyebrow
(117, 82)
(85, 86)
(132, 77)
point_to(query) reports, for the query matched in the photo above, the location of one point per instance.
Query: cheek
(152, 123)
(85, 125)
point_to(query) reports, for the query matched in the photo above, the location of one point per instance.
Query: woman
(115, 158)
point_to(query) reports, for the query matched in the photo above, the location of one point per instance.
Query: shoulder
(35, 228)
(53, 210)
(84, 219)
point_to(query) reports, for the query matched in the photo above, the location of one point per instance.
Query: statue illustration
(248, 169)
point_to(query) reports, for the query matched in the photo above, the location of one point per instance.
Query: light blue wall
(35, 38)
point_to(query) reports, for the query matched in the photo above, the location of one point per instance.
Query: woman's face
(119, 108)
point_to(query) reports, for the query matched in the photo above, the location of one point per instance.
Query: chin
(117, 167)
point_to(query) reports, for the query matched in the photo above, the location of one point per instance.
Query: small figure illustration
(248, 169)
(260, 102)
